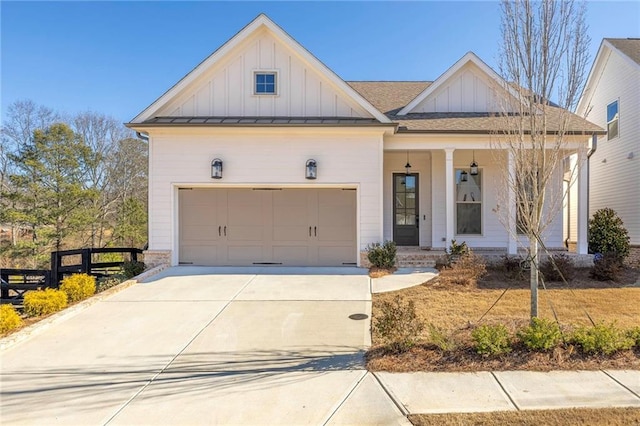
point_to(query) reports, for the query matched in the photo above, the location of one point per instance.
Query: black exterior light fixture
(216, 168)
(473, 166)
(407, 166)
(311, 169)
(463, 176)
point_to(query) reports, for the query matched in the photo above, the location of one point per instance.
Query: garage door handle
(315, 231)
(225, 230)
(219, 231)
(309, 231)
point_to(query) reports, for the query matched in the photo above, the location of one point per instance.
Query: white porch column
(583, 207)
(449, 200)
(512, 244)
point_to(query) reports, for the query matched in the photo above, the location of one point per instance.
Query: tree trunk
(533, 276)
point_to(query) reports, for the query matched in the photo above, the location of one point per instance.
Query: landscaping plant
(382, 255)
(44, 302)
(132, 269)
(9, 319)
(605, 339)
(541, 335)
(606, 267)
(78, 287)
(607, 234)
(441, 338)
(398, 324)
(491, 340)
(557, 267)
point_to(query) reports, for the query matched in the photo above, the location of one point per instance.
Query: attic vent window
(265, 83)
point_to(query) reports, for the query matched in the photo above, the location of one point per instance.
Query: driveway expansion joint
(394, 399)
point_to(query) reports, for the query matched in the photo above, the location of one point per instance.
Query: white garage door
(291, 227)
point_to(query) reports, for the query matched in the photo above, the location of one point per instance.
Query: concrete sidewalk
(431, 393)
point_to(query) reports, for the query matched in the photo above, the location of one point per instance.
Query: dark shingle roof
(628, 46)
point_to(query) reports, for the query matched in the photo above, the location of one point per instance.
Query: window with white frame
(525, 202)
(265, 83)
(613, 118)
(468, 202)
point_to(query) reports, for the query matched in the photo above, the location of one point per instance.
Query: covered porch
(441, 198)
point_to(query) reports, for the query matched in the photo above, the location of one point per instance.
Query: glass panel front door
(406, 216)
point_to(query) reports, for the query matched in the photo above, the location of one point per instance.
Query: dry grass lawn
(570, 417)
(457, 309)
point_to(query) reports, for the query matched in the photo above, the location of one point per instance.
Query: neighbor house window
(468, 202)
(525, 202)
(265, 83)
(613, 116)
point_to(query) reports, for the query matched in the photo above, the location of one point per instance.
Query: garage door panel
(287, 226)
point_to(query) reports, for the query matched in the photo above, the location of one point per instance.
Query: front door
(406, 217)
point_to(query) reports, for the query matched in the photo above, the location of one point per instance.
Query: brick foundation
(633, 259)
(153, 258)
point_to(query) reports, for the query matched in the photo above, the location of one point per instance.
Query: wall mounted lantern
(216, 168)
(473, 166)
(407, 166)
(311, 170)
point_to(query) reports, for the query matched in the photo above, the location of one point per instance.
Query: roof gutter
(142, 136)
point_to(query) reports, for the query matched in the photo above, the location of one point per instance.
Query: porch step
(425, 263)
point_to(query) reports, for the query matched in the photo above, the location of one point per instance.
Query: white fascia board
(593, 79)
(468, 57)
(243, 34)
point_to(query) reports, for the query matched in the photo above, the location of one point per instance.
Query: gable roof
(468, 57)
(389, 96)
(261, 21)
(628, 46)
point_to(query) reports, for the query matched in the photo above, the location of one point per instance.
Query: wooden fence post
(86, 261)
(55, 276)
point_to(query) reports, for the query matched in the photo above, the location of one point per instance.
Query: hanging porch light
(474, 166)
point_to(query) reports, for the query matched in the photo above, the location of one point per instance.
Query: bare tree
(543, 61)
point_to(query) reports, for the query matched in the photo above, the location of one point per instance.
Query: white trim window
(468, 202)
(613, 118)
(265, 83)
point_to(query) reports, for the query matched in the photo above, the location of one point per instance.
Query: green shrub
(382, 255)
(44, 302)
(104, 283)
(398, 325)
(604, 339)
(9, 319)
(564, 268)
(607, 234)
(78, 287)
(441, 339)
(606, 267)
(457, 251)
(634, 334)
(491, 340)
(540, 335)
(132, 269)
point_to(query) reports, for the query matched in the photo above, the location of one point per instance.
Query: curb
(42, 325)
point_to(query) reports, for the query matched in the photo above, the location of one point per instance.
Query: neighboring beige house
(611, 99)
(263, 155)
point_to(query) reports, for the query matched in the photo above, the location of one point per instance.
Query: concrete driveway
(206, 346)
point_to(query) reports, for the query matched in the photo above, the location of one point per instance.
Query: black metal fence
(16, 282)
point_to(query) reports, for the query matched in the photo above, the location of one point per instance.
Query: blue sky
(118, 57)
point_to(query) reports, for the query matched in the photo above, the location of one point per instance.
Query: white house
(611, 99)
(263, 155)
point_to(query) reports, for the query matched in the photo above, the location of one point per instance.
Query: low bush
(606, 267)
(465, 271)
(456, 250)
(105, 283)
(557, 267)
(634, 334)
(398, 325)
(132, 269)
(382, 255)
(512, 266)
(44, 302)
(9, 319)
(541, 335)
(78, 287)
(441, 338)
(605, 339)
(491, 340)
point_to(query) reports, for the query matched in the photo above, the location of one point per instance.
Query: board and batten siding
(227, 89)
(264, 158)
(614, 180)
(468, 90)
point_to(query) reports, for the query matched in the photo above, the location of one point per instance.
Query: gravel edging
(42, 325)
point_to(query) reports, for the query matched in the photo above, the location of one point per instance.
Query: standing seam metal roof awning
(260, 121)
